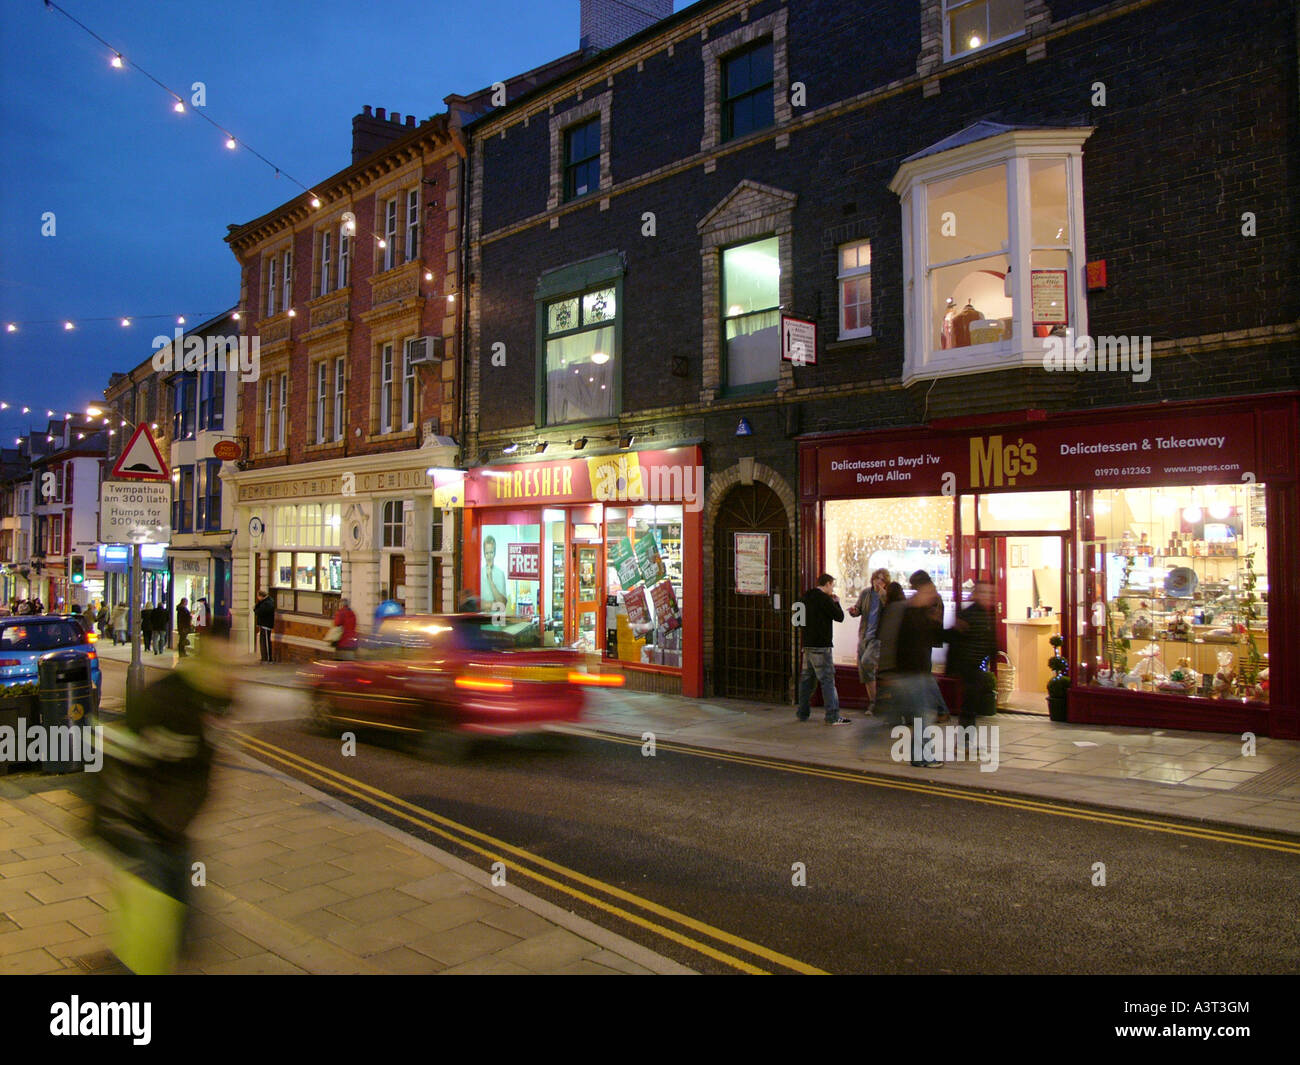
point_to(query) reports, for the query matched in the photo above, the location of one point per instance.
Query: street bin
(67, 697)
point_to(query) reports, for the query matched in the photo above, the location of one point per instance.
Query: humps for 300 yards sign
(136, 512)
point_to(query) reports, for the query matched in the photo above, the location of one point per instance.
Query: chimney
(604, 23)
(372, 131)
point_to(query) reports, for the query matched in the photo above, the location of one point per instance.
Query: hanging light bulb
(68, 326)
(11, 328)
(116, 61)
(230, 143)
(26, 410)
(235, 316)
(178, 107)
(1192, 514)
(126, 322)
(1219, 511)
(180, 319)
(315, 201)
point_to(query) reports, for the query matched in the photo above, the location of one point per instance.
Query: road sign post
(136, 513)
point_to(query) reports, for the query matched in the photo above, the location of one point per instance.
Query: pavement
(298, 882)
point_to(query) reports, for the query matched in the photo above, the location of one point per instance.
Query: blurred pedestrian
(183, 623)
(146, 627)
(119, 624)
(154, 780)
(264, 618)
(345, 621)
(869, 607)
(821, 609)
(971, 640)
(160, 628)
(201, 615)
(919, 632)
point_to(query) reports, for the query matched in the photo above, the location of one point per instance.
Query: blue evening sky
(142, 196)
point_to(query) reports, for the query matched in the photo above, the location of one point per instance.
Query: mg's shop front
(1160, 542)
(603, 554)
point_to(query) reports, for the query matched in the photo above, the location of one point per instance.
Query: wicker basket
(1006, 674)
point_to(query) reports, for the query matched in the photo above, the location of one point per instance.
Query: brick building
(351, 291)
(945, 189)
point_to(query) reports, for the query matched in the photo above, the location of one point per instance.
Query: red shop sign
(1198, 450)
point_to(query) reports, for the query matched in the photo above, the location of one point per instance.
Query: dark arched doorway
(751, 636)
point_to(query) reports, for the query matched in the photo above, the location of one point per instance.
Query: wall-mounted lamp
(578, 444)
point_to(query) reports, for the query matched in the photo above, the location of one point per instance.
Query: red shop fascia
(571, 570)
(1239, 440)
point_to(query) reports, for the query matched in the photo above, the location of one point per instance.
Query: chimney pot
(410, 120)
(395, 117)
(366, 110)
(380, 113)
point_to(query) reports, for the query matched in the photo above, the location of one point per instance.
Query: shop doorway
(1028, 572)
(751, 634)
(586, 612)
(397, 578)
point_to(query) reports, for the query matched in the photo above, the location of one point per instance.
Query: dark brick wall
(1200, 126)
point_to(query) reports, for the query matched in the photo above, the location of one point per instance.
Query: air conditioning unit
(424, 350)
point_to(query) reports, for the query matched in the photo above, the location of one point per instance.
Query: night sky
(142, 196)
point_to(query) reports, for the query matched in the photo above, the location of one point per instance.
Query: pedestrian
(146, 627)
(870, 604)
(160, 618)
(971, 640)
(201, 615)
(183, 622)
(919, 632)
(821, 608)
(264, 619)
(468, 602)
(155, 778)
(345, 622)
(119, 624)
(103, 620)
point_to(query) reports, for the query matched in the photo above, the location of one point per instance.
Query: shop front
(602, 554)
(113, 561)
(201, 575)
(1158, 542)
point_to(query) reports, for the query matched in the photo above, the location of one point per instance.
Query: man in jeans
(821, 609)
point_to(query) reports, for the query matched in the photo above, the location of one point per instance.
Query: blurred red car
(449, 675)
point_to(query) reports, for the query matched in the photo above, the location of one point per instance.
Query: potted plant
(17, 700)
(1059, 685)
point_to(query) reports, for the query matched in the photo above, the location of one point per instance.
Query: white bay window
(993, 253)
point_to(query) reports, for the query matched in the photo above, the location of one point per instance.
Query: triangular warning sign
(141, 460)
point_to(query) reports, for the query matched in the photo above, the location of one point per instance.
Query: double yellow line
(1149, 824)
(703, 938)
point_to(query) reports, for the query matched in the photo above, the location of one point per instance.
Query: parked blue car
(24, 639)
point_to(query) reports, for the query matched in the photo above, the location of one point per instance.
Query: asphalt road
(688, 846)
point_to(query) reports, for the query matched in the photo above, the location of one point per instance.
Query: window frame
(393, 530)
(282, 426)
(409, 391)
(768, 383)
(1013, 150)
(340, 396)
(388, 216)
(851, 274)
(386, 387)
(212, 400)
(272, 282)
(287, 279)
(344, 272)
(726, 103)
(325, 261)
(580, 114)
(580, 279)
(716, 49)
(268, 414)
(571, 166)
(183, 499)
(322, 396)
(946, 11)
(412, 240)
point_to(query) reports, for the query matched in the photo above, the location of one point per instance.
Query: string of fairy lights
(118, 60)
(80, 424)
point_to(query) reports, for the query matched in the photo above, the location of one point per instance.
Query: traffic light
(78, 569)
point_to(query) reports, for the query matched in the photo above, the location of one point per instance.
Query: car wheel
(320, 718)
(446, 746)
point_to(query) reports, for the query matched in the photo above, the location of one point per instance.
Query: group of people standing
(896, 637)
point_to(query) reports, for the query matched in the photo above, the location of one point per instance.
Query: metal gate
(751, 638)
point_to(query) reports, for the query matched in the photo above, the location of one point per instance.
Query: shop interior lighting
(1192, 514)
